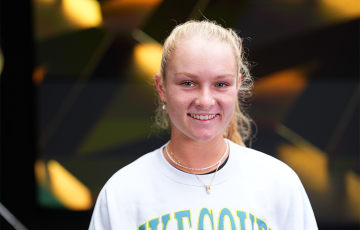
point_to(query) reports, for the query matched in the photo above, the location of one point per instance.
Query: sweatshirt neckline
(189, 179)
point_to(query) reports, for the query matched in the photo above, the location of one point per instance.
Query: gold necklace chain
(194, 169)
(207, 187)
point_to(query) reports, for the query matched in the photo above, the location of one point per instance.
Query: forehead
(200, 56)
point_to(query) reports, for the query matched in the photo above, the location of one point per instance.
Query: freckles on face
(201, 88)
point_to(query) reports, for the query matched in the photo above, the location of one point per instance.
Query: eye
(221, 84)
(187, 83)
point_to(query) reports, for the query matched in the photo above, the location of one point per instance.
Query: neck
(196, 154)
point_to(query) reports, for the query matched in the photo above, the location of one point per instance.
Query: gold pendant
(208, 189)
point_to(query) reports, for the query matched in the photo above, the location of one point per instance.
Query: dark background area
(279, 44)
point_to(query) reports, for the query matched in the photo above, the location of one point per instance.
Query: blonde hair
(239, 128)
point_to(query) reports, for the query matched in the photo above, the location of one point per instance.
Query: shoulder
(121, 193)
(261, 164)
(130, 177)
(259, 171)
(138, 168)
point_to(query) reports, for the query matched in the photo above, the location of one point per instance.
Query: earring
(164, 106)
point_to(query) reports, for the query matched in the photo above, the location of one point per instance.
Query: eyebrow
(194, 76)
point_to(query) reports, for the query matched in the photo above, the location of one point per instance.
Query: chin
(203, 137)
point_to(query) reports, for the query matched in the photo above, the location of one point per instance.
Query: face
(201, 89)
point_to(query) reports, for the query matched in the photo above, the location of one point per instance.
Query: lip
(197, 116)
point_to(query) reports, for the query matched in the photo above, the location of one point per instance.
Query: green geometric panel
(113, 132)
(46, 199)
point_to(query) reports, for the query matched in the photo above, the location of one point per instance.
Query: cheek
(178, 98)
(178, 103)
(227, 104)
(227, 100)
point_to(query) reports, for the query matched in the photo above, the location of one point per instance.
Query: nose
(205, 99)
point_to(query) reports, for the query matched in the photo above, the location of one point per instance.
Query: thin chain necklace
(207, 187)
(195, 169)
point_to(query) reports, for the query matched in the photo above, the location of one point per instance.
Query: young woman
(204, 177)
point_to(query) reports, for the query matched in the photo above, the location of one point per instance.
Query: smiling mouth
(202, 117)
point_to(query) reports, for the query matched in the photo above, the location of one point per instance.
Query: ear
(160, 86)
(238, 84)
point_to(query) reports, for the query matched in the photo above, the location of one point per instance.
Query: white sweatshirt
(253, 191)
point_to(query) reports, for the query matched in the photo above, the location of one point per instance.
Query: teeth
(201, 117)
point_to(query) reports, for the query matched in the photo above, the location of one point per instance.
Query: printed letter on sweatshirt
(179, 216)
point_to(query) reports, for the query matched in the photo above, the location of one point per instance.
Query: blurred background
(77, 102)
